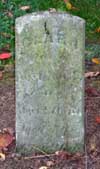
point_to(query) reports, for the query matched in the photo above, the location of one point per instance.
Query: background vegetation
(10, 9)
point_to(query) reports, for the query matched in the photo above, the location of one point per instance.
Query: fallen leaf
(69, 5)
(9, 130)
(77, 155)
(10, 14)
(5, 149)
(15, 155)
(92, 147)
(97, 30)
(52, 10)
(43, 167)
(92, 74)
(93, 143)
(50, 163)
(5, 140)
(3, 1)
(63, 154)
(97, 119)
(2, 157)
(25, 8)
(96, 60)
(5, 55)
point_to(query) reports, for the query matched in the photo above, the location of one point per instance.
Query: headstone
(49, 82)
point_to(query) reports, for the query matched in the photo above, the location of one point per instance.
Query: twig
(97, 97)
(39, 156)
(37, 148)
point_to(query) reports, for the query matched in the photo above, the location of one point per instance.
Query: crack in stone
(46, 29)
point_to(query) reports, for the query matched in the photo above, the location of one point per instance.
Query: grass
(10, 9)
(90, 11)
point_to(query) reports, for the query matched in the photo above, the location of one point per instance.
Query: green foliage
(90, 11)
(91, 51)
(7, 22)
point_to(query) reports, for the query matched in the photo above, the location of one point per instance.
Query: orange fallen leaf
(97, 30)
(97, 119)
(5, 140)
(96, 60)
(25, 8)
(2, 157)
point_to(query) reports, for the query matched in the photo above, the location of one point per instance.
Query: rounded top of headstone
(27, 19)
(38, 15)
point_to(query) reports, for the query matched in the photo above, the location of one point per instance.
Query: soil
(90, 159)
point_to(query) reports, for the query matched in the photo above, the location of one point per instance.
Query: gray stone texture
(49, 82)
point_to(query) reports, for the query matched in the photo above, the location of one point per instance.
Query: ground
(89, 159)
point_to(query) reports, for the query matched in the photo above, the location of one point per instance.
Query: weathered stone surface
(49, 82)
